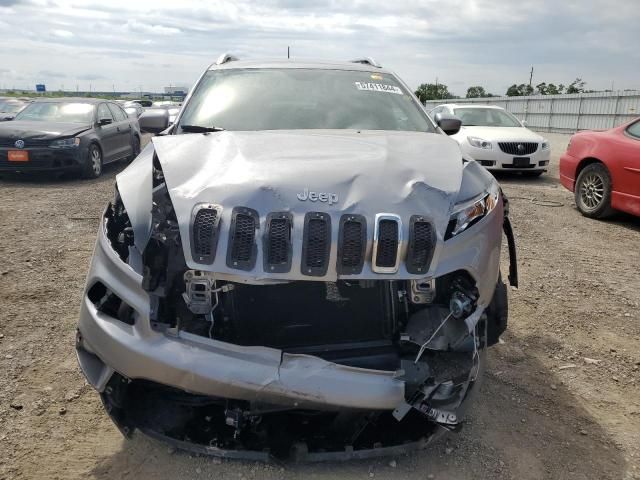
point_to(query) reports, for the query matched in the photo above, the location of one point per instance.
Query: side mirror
(154, 120)
(524, 123)
(104, 121)
(449, 124)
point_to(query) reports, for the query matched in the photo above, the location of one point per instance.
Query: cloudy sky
(128, 45)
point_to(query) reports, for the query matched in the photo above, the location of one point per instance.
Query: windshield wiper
(200, 129)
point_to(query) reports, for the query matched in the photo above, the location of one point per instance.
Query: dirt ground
(560, 400)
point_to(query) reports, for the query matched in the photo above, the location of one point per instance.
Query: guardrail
(564, 113)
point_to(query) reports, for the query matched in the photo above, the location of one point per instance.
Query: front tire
(593, 191)
(93, 165)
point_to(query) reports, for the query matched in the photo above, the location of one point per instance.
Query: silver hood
(366, 173)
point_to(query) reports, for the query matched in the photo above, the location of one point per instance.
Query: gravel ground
(560, 399)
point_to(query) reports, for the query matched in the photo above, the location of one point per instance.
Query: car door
(628, 155)
(107, 132)
(123, 130)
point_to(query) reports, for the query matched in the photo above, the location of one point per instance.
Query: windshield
(58, 112)
(10, 107)
(486, 117)
(290, 99)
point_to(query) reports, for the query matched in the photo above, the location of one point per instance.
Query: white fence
(564, 113)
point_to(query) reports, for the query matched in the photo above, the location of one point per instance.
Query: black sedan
(68, 134)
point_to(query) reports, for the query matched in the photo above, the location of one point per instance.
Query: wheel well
(95, 142)
(587, 161)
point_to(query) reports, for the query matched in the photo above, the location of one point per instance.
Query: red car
(603, 169)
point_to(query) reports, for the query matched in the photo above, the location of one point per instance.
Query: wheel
(593, 191)
(93, 166)
(532, 174)
(135, 146)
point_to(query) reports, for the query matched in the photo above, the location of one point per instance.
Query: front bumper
(44, 159)
(495, 159)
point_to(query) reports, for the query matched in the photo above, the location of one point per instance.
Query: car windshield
(290, 99)
(71, 112)
(486, 117)
(10, 107)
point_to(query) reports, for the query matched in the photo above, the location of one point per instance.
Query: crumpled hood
(26, 130)
(403, 173)
(507, 134)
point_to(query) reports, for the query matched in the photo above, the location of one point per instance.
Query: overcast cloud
(128, 45)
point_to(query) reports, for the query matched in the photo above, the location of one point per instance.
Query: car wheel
(532, 174)
(593, 191)
(93, 165)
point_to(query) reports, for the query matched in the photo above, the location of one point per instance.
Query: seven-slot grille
(204, 232)
(316, 244)
(316, 241)
(277, 242)
(518, 148)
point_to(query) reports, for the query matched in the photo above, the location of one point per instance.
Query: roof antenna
(288, 52)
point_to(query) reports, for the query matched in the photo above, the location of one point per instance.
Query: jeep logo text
(318, 196)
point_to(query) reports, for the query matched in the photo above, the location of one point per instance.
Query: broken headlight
(467, 213)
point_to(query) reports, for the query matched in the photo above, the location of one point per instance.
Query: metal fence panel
(564, 113)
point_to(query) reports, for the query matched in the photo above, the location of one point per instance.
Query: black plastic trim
(355, 270)
(315, 271)
(411, 268)
(239, 264)
(205, 259)
(266, 244)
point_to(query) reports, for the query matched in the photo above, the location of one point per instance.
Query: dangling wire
(210, 316)
(424, 345)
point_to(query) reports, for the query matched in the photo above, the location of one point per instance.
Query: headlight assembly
(65, 143)
(467, 213)
(479, 143)
(545, 145)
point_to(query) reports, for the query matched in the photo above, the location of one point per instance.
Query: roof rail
(367, 61)
(226, 57)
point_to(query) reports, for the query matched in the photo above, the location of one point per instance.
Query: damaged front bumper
(148, 375)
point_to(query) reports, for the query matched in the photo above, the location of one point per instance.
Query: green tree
(519, 90)
(577, 86)
(549, 89)
(432, 91)
(477, 92)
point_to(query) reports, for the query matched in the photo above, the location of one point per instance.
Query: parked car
(10, 107)
(133, 109)
(68, 134)
(303, 264)
(602, 168)
(498, 140)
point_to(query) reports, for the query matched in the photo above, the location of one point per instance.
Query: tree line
(440, 91)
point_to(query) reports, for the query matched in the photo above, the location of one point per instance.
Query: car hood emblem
(306, 194)
(520, 147)
(19, 144)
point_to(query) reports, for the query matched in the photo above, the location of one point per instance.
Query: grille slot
(421, 245)
(204, 232)
(352, 242)
(242, 250)
(514, 148)
(386, 243)
(316, 244)
(277, 242)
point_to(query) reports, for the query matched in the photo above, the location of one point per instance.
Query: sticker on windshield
(378, 87)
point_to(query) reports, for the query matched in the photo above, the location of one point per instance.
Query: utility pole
(531, 76)
(288, 52)
(437, 95)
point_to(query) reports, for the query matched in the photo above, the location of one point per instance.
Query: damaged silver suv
(302, 265)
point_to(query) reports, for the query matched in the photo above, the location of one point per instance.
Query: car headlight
(468, 213)
(479, 143)
(545, 145)
(65, 143)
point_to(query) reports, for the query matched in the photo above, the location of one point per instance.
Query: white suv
(498, 140)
